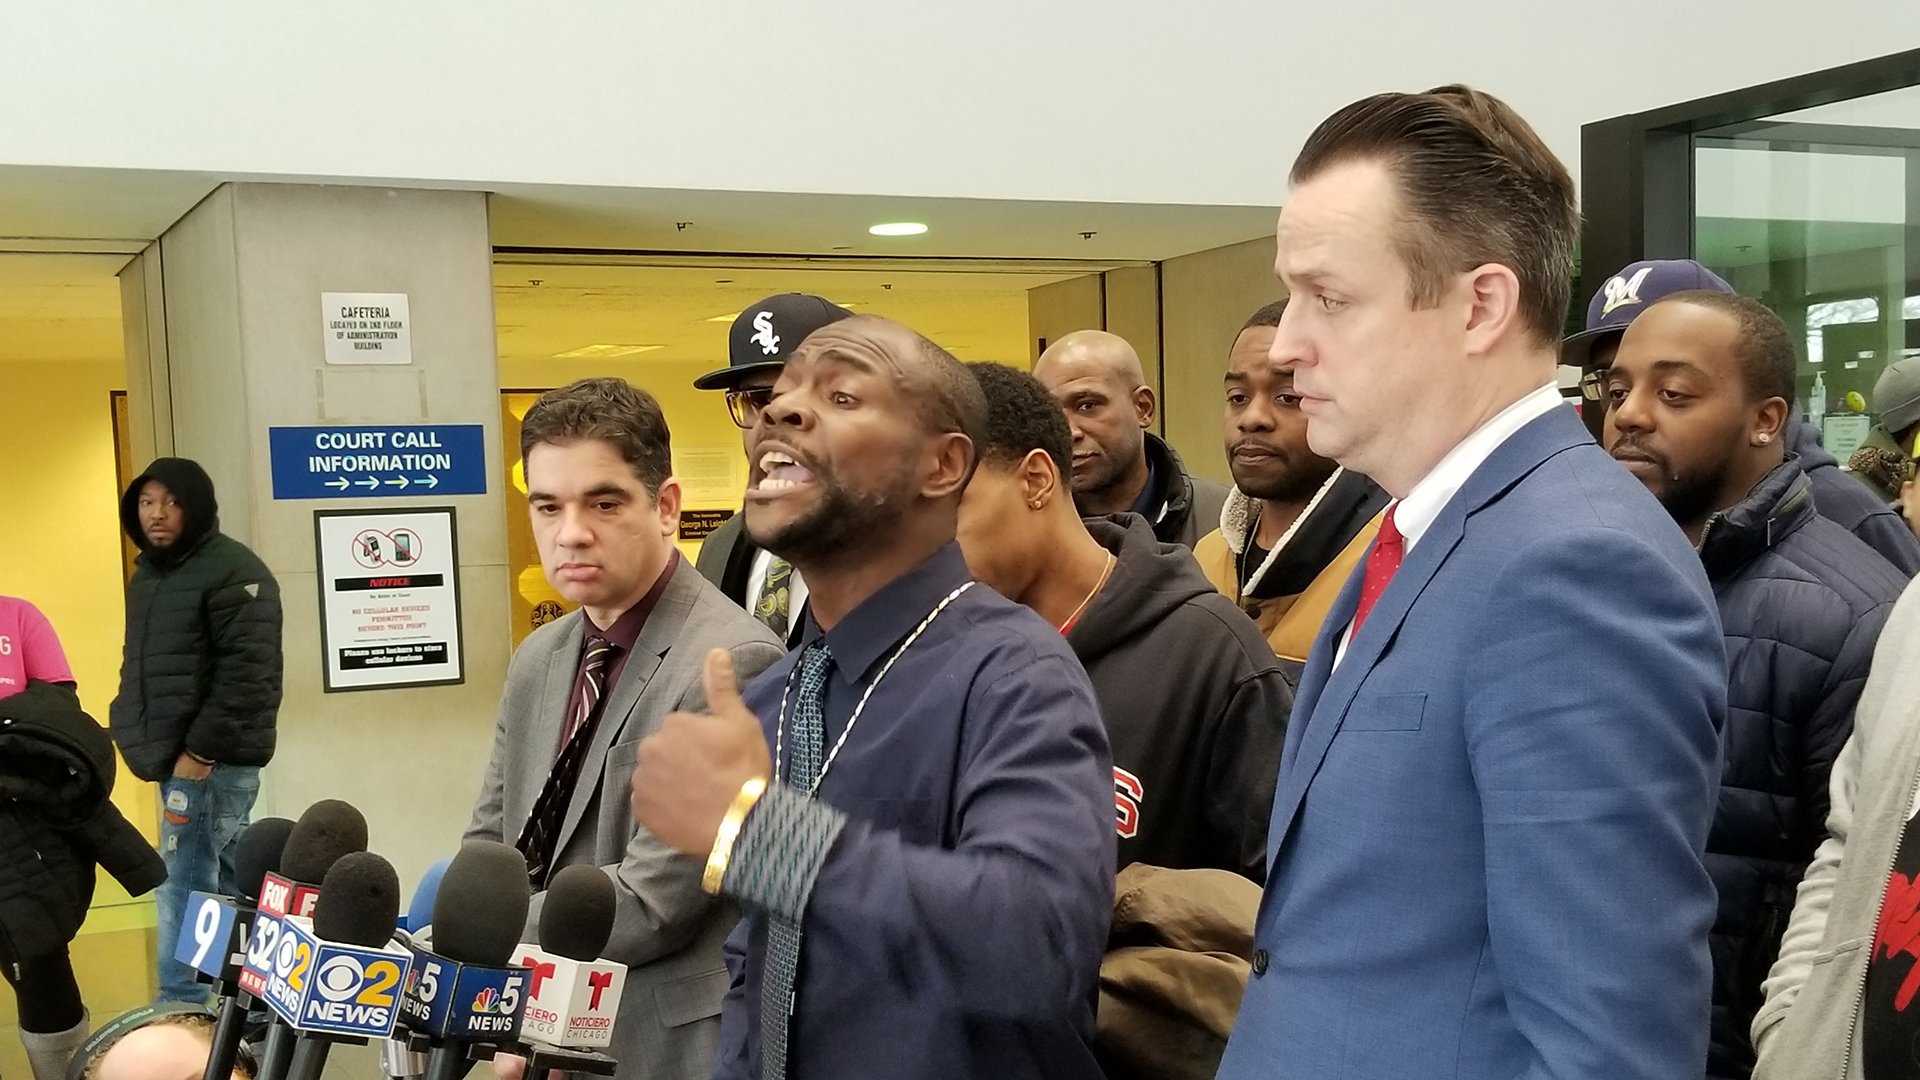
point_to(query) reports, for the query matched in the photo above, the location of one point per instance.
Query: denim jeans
(199, 821)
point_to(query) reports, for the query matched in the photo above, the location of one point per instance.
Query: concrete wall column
(230, 344)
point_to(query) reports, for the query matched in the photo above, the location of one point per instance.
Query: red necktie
(1388, 549)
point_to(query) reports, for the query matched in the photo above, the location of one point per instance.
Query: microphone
(420, 912)
(328, 831)
(337, 976)
(214, 926)
(575, 995)
(462, 994)
(397, 1059)
(213, 936)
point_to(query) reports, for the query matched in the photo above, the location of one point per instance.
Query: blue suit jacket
(1486, 839)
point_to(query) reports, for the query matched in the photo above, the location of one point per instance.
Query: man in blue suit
(1486, 840)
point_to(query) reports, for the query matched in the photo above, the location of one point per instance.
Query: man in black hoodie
(199, 686)
(1194, 701)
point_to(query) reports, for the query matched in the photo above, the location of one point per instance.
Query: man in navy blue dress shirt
(928, 874)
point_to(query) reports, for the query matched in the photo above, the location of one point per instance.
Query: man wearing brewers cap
(1839, 498)
(762, 338)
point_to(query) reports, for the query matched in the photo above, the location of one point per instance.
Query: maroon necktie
(1388, 549)
(538, 839)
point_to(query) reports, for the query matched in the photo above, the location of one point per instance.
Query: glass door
(1817, 214)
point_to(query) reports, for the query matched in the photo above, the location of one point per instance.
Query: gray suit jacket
(667, 931)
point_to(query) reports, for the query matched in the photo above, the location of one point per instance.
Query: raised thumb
(722, 685)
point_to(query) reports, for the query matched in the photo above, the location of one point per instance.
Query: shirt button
(1259, 962)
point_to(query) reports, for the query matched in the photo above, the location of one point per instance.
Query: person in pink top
(52, 1017)
(28, 648)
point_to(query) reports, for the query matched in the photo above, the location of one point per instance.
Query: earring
(1764, 439)
(1033, 504)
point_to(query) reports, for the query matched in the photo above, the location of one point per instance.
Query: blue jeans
(199, 821)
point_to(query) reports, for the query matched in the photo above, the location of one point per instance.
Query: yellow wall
(61, 549)
(1205, 298)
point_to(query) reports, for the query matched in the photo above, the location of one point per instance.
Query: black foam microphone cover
(577, 918)
(257, 853)
(328, 830)
(359, 901)
(481, 909)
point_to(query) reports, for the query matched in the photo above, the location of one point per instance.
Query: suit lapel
(663, 625)
(1313, 680)
(1327, 692)
(549, 719)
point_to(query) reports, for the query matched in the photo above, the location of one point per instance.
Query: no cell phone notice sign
(389, 597)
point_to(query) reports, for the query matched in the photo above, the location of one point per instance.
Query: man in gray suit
(582, 692)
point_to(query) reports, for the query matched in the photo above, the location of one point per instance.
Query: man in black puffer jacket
(199, 686)
(1698, 410)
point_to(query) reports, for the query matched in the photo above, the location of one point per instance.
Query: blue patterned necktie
(778, 980)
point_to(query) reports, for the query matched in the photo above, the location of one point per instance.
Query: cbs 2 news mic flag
(325, 986)
(446, 999)
(317, 985)
(572, 1002)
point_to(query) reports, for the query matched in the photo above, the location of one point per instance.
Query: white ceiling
(784, 223)
(63, 209)
(1129, 102)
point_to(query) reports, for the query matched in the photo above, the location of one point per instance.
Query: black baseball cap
(766, 333)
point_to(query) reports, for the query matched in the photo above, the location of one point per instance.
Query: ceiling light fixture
(728, 317)
(898, 228)
(605, 352)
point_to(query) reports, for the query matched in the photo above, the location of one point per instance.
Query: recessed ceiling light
(898, 228)
(728, 317)
(604, 352)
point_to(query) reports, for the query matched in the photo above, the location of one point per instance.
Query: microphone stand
(231, 1023)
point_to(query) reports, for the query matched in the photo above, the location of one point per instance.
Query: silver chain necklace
(780, 732)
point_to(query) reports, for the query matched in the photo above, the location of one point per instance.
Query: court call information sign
(389, 597)
(366, 328)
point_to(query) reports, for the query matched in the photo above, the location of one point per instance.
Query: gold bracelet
(750, 793)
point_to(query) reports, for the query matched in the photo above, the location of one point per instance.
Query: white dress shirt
(1416, 513)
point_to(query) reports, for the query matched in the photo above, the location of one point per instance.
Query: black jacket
(1190, 505)
(201, 666)
(56, 823)
(1842, 499)
(1195, 704)
(1801, 602)
(726, 558)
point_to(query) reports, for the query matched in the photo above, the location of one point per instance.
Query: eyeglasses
(1593, 385)
(745, 405)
